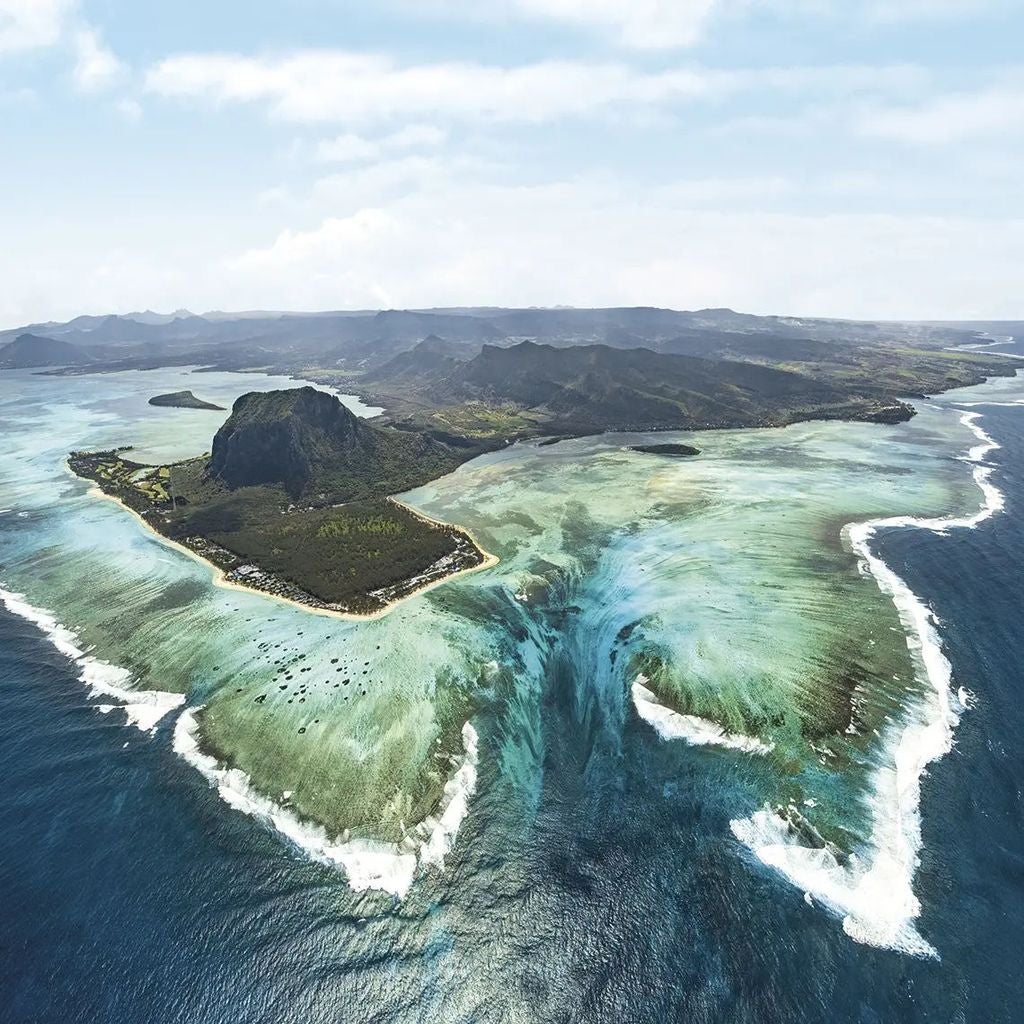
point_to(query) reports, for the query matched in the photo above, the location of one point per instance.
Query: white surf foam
(874, 891)
(389, 867)
(996, 405)
(977, 346)
(698, 732)
(440, 831)
(143, 708)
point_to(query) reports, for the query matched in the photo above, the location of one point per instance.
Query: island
(183, 400)
(296, 500)
(673, 451)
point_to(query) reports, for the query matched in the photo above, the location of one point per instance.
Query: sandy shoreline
(220, 576)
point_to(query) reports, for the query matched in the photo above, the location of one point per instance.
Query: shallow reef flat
(724, 580)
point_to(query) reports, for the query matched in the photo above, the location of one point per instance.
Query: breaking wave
(670, 725)
(143, 708)
(873, 890)
(388, 867)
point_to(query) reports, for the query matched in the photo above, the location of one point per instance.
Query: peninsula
(295, 500)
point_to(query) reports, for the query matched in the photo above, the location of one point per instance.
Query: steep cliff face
(307, 442)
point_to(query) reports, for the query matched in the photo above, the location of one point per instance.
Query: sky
(854, 158)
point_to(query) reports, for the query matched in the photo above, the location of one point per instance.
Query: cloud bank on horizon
(800, 156)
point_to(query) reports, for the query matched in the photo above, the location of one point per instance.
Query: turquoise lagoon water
(670, 648)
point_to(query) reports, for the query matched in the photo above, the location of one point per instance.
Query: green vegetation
(345, 556)
(477, 419)
(529, 389)
(240, 508)
(704, 378)
(345, 525)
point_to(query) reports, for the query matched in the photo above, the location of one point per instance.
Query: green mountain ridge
(596, 388)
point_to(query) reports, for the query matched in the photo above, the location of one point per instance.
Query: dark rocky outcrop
(307, 442)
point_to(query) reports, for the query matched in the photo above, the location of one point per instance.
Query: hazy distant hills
(364, 340)
(488, 373)
(430, 360)
(28, 351)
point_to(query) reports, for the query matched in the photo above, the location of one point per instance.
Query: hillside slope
(593, 388)
(307, 442)
(29, 351)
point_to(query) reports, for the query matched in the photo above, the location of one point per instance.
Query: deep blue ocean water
(129, 893)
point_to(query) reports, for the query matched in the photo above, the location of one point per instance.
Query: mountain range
(497, 374)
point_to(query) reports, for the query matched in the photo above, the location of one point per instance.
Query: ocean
(597, 875)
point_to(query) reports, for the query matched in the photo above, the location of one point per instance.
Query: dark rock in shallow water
(676, 451)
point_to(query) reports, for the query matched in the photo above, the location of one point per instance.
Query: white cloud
(675, 24)
(347, 148)
(32, 24)
(645, 24)
(995, 112)
(96, 67)
(591, 244)
(354, 88)
(414, 136)
(457, 240)
(352, 148)
(351, 88)
(39, 24)
(129, 109)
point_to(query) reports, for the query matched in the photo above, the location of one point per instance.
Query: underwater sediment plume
(730, 604)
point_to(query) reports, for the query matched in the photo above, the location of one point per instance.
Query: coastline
(874, 895)
(219, 576)
(367, 864)
(904, 787)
